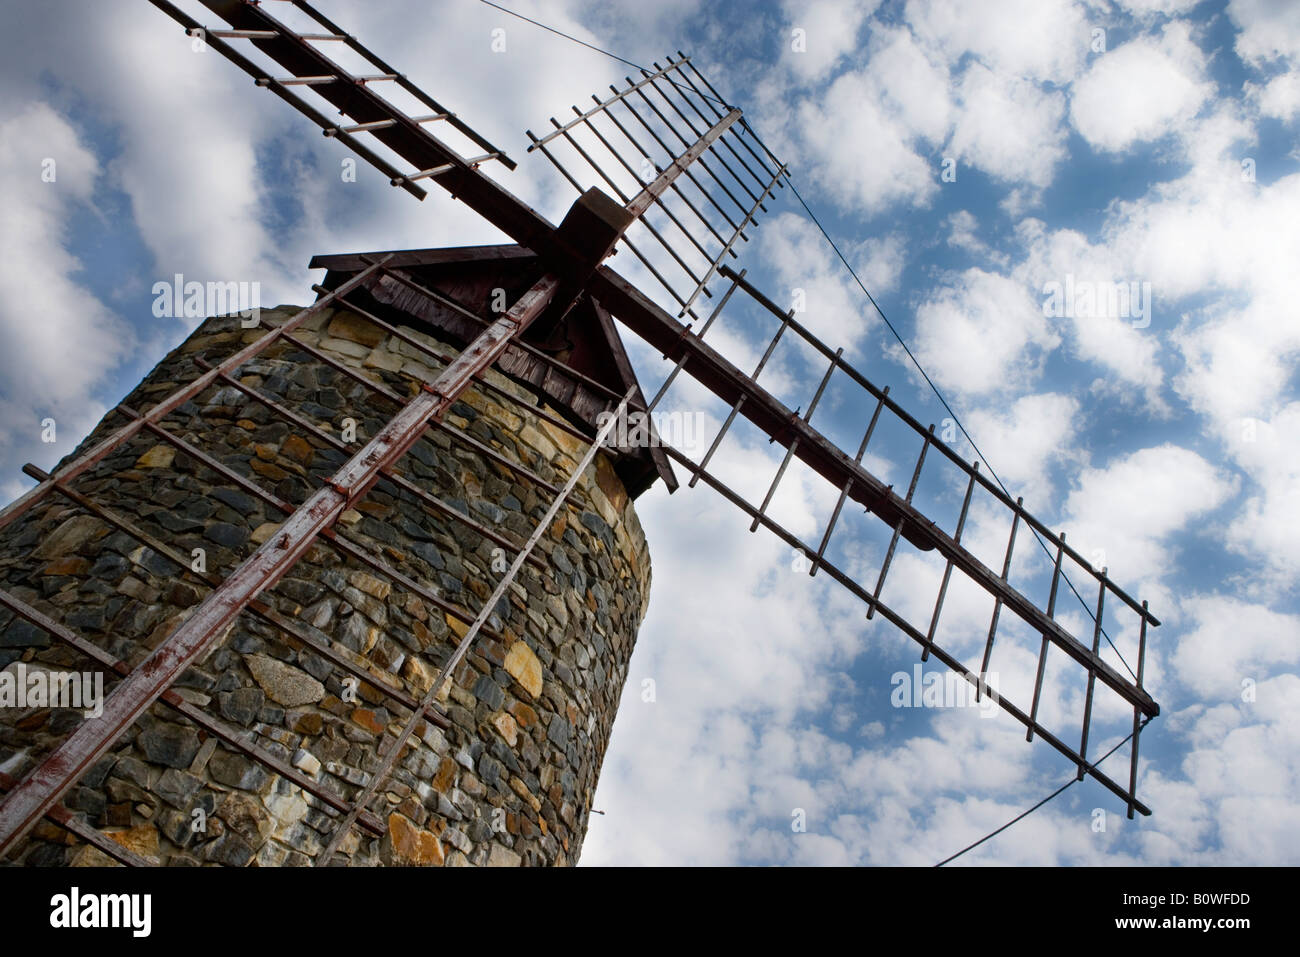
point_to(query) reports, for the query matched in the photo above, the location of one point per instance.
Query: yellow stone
(298, 449)
(409, 846)
(611, 485)
(523, 665)
(507, 728)
(520, 788)
(368, 720)
(142, 839)
(347, 325)
(534, 439)
(417, 674)
(158, 457)
(371, 585)
(263, 532)
(88, 856)
(381, 358)
(456, 625)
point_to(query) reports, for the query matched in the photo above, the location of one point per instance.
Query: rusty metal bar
(997, 602)
(727, 144)
(903, 625)
(395, 750)
(792, 447)
(717, 261)
(683, 59)
(627, 202)
(844, 490)
(178, 398)
(641, 202)
(713, 105)
(1092, 676)
(236, 739)
(259, 608)
(72, 823)
(645, 260)
(1137, 720)
(658, 200)
(29, 801)
(603, 106)
(681, 362)
(947, 571)
(1042, 651)
(675, 188)
(691, 126)
(397, 479)
(654, 134)
(898, 529)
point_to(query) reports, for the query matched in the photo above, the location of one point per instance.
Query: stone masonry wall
(531, 709)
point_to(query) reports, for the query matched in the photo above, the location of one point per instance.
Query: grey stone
(225, 534)
(237, 771)
(229, 849)
(284, 684)
(490, 693)
(177, 788)
(172, 745)
(241, 706)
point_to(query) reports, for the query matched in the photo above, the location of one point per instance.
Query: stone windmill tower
(361, 580)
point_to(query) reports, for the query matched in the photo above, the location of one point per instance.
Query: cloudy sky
(966, 156)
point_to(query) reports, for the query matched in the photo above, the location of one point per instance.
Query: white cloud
(800, 258)
(1009, 127)
(1269, 29)
(982, 333)
(1025, 439)
(1044, 40)
(1121, 337)
(1129, 508)
(1140, 91)
(60, 340)
(1232, 640)
(863, 157)
(829, 32)
(1279, 97)
(1268, 525)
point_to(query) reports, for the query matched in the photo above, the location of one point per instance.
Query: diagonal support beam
(38, 792)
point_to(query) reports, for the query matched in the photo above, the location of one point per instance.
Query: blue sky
(1167, 445)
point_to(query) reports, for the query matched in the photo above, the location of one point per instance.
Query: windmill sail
(671, 173)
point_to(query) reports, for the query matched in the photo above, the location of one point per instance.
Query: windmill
(672, 175)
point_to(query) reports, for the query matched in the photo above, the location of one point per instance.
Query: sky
(969, 159)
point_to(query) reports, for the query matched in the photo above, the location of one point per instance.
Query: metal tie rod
(395, 750)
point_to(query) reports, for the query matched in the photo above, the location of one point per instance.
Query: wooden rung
(359, 128)
(898, 529)
(947, 568)
(997, 604)
(296, 80)
(244, 34)
(1042, 652)
(794, 445)
(844, 492)
(422, 174)
(1092, 678)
